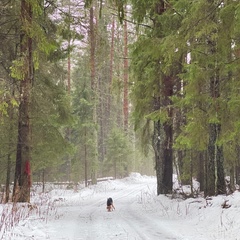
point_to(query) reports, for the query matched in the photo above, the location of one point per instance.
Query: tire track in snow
(91, 221)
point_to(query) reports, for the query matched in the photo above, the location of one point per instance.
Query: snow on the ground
(140, 214)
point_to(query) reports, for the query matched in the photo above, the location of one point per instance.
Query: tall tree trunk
(119, 116)
(101, 120)
(21, 192)
(163, 133)
(85, 158)
(111, 71)
(221, 185)
(69, 162)
(237, 166)
(94, 89)
(43, 180)
(178, 122)
(216, 181)
(231, 184)
(191, 173)
(10, 144)
(168, 132)
(162, 145)
(7, 190)
(167, 159)
(115, 169)
(69, 69)
(158, 159)
(200, 170)
(211, 160)
(125, 76)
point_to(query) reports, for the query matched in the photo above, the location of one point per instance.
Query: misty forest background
(92, 89)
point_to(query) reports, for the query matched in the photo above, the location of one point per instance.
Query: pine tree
(206, 77)
(22, 173)
(153, 86)
(35, 43)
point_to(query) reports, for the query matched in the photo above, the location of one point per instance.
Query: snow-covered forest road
(139, 215)
(89, 219)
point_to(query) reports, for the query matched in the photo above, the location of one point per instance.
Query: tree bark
(216, 181)
(125, 76)
(10, 143)
(221, 185)
(200, 170)
(167, 159)
(85, 158)
(21, 192)
(68, 131)
(162, 145)
(43, 180)
(163, 133)
(212, 158)
(111, 71)
(237, 166)
(168, 132)
(93, 87)
(159, 164)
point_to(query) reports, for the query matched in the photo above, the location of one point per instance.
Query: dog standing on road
(110, 205)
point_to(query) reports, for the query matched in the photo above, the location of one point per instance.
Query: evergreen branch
(5, 68)
(168, 3)
(198, 51)
(11, 20)
(66, 13)
(202, 109)
(51, 3)
(233, 60)
(5, 155)
(129, 21)
(205, 17)
(10, 28)
(6, 3)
